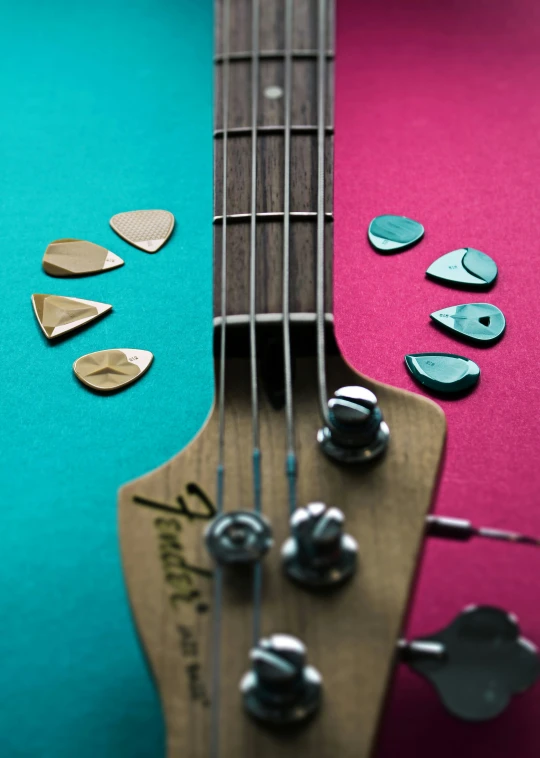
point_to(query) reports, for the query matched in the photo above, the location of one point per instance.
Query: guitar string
(218, 573)
(321, 103)
(291, 464)
(256, 463)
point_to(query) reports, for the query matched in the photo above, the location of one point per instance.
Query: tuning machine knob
(318, 554)
(281, 688)
(238, 537)
(477, 663)
(356, 431)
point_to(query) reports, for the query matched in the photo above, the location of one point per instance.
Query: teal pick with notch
(443, 372)
(482, 323)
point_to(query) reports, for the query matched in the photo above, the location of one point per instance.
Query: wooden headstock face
(350, 632)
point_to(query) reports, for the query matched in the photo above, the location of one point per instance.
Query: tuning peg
(355, 431)
(281, 688)
(238, 537)
(318, 554)
(477, 663)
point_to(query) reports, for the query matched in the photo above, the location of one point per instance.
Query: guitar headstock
(350, 629)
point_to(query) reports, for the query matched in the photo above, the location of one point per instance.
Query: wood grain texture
(271, 160)
(350, 634)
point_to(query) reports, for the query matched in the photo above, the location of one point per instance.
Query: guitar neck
(261, 66)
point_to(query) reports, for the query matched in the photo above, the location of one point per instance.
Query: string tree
(238, 538)
(355, 431)
(318, 554)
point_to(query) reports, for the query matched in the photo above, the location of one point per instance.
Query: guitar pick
(443, 372)
(72, 257)
(147, 230)
(466, 266)
(57, 315)
(480, 322)
(108, 370)
(390, 234)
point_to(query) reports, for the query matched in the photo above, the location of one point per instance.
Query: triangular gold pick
(71, 257)
(57, 314)
(108, 370)
(147, 230)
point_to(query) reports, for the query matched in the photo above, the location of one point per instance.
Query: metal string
(257, 571)
(289, 413)
(218, 574)
(321, 102)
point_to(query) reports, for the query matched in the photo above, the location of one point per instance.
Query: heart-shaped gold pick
(71, 257)
(108, 370)
(147, 230)
(57, 315)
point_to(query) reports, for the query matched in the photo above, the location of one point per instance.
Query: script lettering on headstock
(187, 583)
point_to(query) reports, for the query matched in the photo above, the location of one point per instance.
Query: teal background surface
(105, 106)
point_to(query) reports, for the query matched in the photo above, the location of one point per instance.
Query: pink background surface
(438, 118)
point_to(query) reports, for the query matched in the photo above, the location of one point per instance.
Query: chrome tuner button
(356, 432)
(281, 689)
(318, 554)
(238, 537)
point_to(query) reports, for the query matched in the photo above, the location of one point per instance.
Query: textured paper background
(105, 106)
(438, 118)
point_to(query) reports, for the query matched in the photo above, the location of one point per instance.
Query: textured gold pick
(147, 230)
(108, 370)
(71, 257)
(57, 315)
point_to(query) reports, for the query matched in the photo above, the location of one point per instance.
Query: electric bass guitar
(269, 564)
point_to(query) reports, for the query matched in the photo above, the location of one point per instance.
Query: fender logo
(180, 575)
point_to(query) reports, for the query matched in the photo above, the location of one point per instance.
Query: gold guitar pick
(147, 230)
(108, 370)
(71, 257)
(57, 315)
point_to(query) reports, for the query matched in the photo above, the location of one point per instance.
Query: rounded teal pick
(390, 234)
(443, 372)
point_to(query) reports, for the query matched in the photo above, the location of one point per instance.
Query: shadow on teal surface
(105, 107)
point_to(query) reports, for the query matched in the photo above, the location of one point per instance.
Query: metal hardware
(273, 55)
(238, 537)
(477, 663)
(246, 131)
(319, 554)
(462, 531)
(420, 650)
(236, 218)
(281, 689)
(356, 431)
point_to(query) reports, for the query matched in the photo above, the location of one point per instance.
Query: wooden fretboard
(270, 156)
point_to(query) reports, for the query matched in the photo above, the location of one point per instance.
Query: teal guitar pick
(479, 322)
(390, 234)
(443, 372)
(465, 267)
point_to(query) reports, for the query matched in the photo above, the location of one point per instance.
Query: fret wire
(257, 573)
(274, 216)
(289, 413)
(218, 577)
(246, 56)
(245, 131)
(320, 305)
